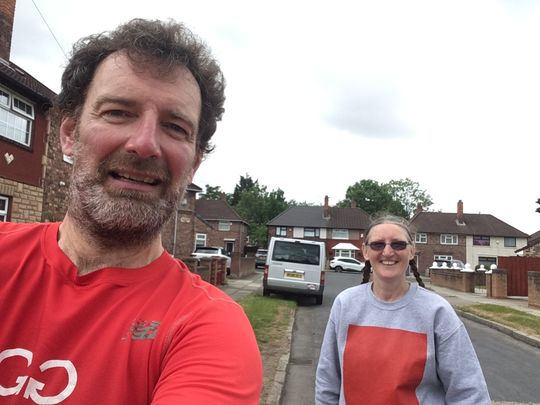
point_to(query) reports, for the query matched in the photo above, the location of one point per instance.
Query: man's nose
(144, 140)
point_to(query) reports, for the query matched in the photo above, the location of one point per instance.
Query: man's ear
(68, 130)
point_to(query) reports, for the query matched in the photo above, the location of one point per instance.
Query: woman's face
(388, 262)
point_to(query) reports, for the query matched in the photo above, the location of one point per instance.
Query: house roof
(216, 210)
(340, 218)
(474, 224)
(533, 240)
(20, 80)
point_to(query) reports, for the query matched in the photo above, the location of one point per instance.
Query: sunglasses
(395, 245)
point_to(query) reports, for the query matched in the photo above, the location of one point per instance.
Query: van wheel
(266, 292)
(318, 299)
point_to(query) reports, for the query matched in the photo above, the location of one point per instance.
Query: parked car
(346, 264)
(260, 257)
(209, 251)
(453, 264)
(295, 266)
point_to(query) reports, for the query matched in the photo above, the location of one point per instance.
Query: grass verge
(520, 320)
(270, 318)
(267, 315)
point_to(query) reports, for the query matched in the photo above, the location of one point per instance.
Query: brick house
(26, 126)
(532, 248)
(472, 238)
(332, 225)
(218, 224)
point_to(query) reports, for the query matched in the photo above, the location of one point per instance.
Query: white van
(295, 266)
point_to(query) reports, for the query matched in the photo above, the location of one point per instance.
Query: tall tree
(245, 183)
(409, 194)
(369, 195)
(212, 193)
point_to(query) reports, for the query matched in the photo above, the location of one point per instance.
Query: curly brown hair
(161, 45)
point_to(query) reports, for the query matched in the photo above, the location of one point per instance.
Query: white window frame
(281, 231)
(4, 212)
(224, 226)
(340, 234)
(316, 232)
(18, 135)
(200, 237)
(449, 239)
(420, 238)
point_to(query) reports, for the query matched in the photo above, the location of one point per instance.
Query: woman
(392, 342)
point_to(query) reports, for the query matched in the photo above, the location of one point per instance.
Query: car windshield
(296, 252)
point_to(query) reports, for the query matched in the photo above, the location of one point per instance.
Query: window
(509, 242)
(440, 259)
(420, 238)
(16, 117)
(344, 253)
(200, 239)
(487, 261)
(224, 226)
(4, 205)
(340, 234)
(479, 240)
(311, 232)
(449, 239)
(281, 231)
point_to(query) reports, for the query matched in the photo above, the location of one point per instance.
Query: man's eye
(177, 129)
(116, 113)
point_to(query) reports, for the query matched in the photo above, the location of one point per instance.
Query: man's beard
(120, 217)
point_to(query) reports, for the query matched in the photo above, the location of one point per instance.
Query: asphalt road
(511, 368)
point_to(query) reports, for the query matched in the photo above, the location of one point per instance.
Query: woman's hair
(159, 46)
(402, 223)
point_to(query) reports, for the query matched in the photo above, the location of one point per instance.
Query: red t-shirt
(154, 335)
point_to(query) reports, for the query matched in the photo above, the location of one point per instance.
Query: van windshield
(296, 252)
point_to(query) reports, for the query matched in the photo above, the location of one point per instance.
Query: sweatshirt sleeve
(459, 370)
(328, 376)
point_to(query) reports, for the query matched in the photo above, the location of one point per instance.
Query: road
(511, 368)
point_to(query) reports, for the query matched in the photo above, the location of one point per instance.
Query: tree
(258, 206)
(409, 195)
(212, 193)
(245, 183)
(369, 195)
(398, 197)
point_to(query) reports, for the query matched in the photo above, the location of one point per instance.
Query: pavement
(239, 288)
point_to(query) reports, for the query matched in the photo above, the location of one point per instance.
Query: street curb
(274, 397)
(530, 340)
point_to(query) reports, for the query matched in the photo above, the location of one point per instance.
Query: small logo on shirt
(141, 330)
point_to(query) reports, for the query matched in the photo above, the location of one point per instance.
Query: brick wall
(25, 200)
(534, 288)
(427, 251)
(7, 15)
(453, 279)
(496, 286)
(57, 175)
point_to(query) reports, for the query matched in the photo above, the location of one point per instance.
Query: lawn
(520, 320)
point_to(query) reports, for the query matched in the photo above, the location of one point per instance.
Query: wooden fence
(516, 272)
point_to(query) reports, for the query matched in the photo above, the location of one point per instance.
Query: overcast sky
(321, 95)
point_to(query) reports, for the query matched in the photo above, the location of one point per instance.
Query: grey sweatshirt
(411, 351)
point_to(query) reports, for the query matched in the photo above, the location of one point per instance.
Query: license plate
(298, 276)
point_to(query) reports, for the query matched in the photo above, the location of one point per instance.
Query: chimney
(353, 203)
(418, 208)
(326, 208)
(460, 217)
(7, 15)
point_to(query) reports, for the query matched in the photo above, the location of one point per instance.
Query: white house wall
(495, 249)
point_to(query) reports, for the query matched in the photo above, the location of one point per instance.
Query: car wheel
(339, 269)
(318, 299)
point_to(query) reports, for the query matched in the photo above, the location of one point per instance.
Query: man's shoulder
(21, 228)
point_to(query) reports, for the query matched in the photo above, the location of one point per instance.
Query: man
(94, 311)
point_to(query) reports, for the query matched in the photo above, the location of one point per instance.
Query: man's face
(134, 146)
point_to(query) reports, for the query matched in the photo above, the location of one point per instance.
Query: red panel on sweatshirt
(383, 365)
